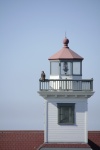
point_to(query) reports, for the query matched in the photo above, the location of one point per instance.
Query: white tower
(65, 95)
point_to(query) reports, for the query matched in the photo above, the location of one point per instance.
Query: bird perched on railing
(43, 76)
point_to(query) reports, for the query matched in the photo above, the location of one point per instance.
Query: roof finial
(65, 41)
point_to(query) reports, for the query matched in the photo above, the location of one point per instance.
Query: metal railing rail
(66, 85)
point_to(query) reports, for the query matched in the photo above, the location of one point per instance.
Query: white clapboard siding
(67, 133)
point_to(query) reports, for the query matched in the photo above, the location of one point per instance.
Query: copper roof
(65, 53)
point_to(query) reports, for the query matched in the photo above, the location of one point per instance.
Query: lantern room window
(66, 68)
(71, 68)
(76, 68)
(54, 68)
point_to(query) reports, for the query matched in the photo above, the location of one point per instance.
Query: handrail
(66, 85)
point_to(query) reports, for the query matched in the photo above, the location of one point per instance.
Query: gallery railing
(66, 85)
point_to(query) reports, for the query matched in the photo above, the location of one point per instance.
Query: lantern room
(65, 63)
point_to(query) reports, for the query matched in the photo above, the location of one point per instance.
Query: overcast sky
(30, 32)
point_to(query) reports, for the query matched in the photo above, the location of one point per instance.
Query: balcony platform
(66, 88)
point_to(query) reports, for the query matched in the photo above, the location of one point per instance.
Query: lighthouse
(65, 96)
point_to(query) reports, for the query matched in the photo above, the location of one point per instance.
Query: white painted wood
(67, 133)
(66, 77)
(46, 122)
(65, 85)
(54, 77)
(63, 93)
(86, 125)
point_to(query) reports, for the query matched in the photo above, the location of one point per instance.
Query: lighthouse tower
(65, 96)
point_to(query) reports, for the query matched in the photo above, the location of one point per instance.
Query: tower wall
(66, 133)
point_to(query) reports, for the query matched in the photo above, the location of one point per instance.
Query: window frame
(71, 62)
(79, 68)
(60, 69)
(60, 105)
(71, 65)
(54, 61)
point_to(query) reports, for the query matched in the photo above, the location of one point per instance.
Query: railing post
(40, 85)
(91, 84)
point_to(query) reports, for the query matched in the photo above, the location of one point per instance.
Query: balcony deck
(66, 85)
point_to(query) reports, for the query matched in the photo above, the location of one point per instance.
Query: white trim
(86, 130)
(84, 94)
(46, 122)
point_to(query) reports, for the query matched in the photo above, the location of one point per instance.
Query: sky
(30, 32)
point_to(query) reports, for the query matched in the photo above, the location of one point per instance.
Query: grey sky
(30, 32)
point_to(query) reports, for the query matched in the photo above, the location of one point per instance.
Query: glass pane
(54, 68)
(66, 114)
(71, 115)
(76, 67)
(66, 68)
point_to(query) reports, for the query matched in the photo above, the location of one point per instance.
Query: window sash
(66, 68)
(76, 68)
(66, 113)
(54, 68)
